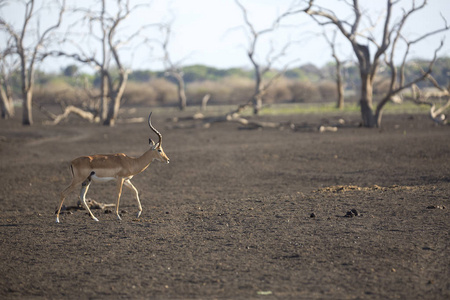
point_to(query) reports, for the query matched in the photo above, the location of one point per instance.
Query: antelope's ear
(151, 142)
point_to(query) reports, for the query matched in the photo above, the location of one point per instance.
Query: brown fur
(119, 166)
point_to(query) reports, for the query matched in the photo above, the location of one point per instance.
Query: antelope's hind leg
(64, 194)
(129, 185)
(119, 192)
(84, 188)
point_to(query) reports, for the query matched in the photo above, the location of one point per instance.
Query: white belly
(101, 179)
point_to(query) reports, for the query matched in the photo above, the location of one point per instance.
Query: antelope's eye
(159, 150)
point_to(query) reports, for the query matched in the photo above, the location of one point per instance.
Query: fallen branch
(92, 204)
(236, 118)
(436, 113)
(56, 119)
(131, 120)
(323, 128)
(420, 98)
(205, 101)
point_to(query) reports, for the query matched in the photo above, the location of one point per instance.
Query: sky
(213, 32)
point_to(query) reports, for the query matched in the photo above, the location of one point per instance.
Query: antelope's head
(160, 155)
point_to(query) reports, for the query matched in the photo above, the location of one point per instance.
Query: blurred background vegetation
(304, 84)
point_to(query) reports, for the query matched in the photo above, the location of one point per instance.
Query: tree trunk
(114, 104)
(366, 102)
(27, 113)
(259, 90)
(181, 92)
(104, 91)
(365, 71)
(27, 91)
(339, 85)
(340, 92)
(377, 117)
(7, 105)
(257, 104)
(113, 111)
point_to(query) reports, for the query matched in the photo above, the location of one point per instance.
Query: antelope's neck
(141, 163)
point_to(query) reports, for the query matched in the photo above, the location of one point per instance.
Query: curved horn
(154, 130)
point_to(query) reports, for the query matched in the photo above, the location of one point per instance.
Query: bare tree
(261, 71)
(262, 82)
(339, 80)
(362, 40)
(8, 64)
(29, 50)
(104, 29)
(174, 69)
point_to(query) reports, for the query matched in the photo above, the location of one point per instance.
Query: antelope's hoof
(57, 220)
(119, 218)
(95, 219)
(138, 214)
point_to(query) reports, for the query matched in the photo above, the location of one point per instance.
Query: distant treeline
(307, 72)
(306, 83)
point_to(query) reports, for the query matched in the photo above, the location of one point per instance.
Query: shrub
(197, 90)
(58, 90)
(304, 92)
(279, 91)
(229, 90)
(328, 91)
(242, 89)
(137, 93)
(165, 91)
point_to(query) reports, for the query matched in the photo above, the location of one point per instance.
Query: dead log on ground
(90, 202)
(56, 119)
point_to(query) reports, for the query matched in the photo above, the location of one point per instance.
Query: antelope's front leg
(84, 188)
(119, 192)
(129, 185)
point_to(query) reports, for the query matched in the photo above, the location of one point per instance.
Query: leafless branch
(173, 69)
(271, 57)
(395, 90)
(30, 53)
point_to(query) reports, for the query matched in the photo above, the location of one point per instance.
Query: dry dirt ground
(232, 215)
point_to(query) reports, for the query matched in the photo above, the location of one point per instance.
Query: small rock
(312, 215)
(354, 211)
(108, 211)
(436, 207)
(349, 214)
(327, 128)
(264, 293)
